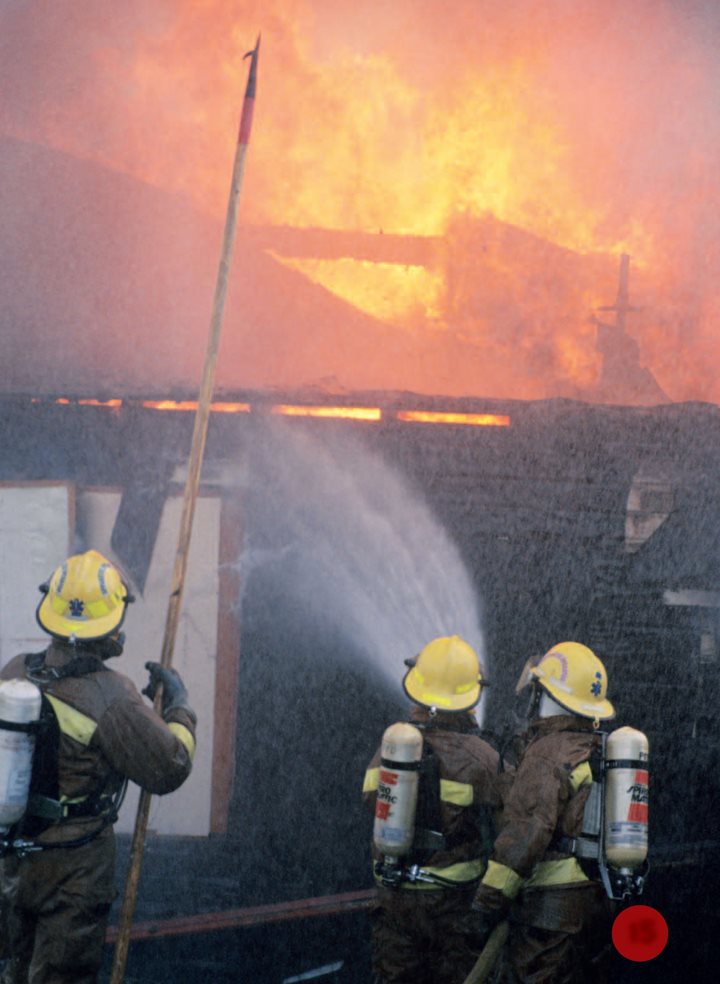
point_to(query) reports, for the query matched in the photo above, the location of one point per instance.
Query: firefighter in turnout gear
(95, 733)
(432, 786)
(559, 914)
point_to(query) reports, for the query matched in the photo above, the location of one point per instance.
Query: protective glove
(174, 693)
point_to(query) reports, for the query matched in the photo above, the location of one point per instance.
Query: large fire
(533, 146)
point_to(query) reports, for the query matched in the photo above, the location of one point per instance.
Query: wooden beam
(227, 668)
(208, 922)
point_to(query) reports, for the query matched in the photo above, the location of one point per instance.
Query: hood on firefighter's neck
(61, 651)
(550, 707)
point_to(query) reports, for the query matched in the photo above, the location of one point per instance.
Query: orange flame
(588, 134)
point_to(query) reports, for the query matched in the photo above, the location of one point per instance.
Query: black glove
(174, 694)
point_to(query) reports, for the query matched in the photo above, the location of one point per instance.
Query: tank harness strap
(585, 846)
(84, 807)
(579, 847)
(428, 814)
(28, 727)
(55, 809)
(78, 666)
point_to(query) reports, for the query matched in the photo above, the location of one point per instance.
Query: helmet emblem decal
(596, 685)
(561, 658)
(77, 607)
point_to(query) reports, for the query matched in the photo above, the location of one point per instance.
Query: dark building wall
(538, 512)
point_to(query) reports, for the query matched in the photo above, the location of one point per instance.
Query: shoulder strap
(44, 779)
(35, 661)
(78, 666)
(428, 814)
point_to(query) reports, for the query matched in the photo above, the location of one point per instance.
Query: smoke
(350, 544)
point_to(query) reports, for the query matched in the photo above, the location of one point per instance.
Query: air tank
(20, 703)
(626, 798)
(401, 752)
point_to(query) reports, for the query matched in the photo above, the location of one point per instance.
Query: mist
(350, 544)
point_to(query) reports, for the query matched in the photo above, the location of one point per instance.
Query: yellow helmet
(446, 675)
(574, 677)
(85, 597)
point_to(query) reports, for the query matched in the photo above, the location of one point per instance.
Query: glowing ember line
(347, 413)
(472, 419)
(298, 410)
(230, 407)
(192, 405)
(170, 404)
(113, 404)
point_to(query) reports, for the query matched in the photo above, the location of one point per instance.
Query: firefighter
(423, 929)
(559, 913)
(95, 733)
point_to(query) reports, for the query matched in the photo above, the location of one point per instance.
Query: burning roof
(107, 283)
(507, 181)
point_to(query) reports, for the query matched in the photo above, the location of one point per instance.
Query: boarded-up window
(36, 528)
(186, 811)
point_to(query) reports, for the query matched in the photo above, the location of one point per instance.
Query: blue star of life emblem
(77, 607)
(596, 685)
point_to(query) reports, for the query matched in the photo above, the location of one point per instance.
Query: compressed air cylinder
(401, 752)
(626, 798)
(20, 703)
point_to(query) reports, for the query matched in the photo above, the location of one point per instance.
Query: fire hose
(489, 956)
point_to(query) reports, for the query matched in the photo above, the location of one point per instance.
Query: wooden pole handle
(192, 484)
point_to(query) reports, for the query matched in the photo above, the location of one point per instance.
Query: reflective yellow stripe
(459, 793)
(372, 777)
(73, 723)
(580, 776)
(185, 736)
(504, 879)
(563, 872)
(95, 609)
(462, 873)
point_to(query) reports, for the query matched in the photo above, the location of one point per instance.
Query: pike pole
(197, 450)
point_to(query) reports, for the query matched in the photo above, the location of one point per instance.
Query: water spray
(355, 544)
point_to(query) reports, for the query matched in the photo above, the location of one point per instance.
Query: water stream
(354, 544)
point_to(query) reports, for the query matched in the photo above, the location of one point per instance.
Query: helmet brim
(601, 710)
